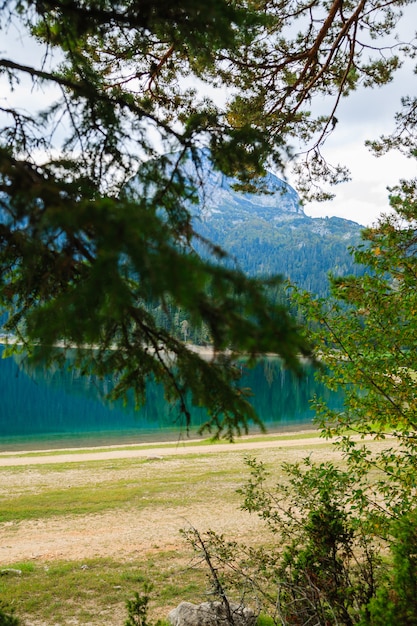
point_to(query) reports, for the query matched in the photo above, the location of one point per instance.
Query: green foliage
(367, 338)
(319, 565)
(82, 253)
(7, 617)
(325, 569)
(395, 600)
(264, 620)
(138, 608)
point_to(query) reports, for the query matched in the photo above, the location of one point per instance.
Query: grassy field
(79, 538)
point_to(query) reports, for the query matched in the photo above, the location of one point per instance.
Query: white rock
(211, 614)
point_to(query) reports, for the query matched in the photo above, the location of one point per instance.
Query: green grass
(86, 500)
(155, 488)
(61, 592)
(77, 501)
(265, 620)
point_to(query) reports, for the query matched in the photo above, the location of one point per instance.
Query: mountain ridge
(269, 233)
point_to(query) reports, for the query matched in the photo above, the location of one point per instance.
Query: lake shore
(156, 449)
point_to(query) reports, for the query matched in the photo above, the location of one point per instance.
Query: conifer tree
(136, 89)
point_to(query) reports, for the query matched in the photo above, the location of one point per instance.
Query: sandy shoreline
(150, 450)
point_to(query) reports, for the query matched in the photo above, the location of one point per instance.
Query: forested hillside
(269, 233)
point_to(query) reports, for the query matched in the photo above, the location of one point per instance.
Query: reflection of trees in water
(66, 376)
(37, 399)
(64, 399)
(282, 396)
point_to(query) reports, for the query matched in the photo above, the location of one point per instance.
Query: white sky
(365, 114)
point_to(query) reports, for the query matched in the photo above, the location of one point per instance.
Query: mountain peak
(269, 233)
(218, 194)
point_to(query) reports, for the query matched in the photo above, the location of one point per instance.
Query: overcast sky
(365, 114)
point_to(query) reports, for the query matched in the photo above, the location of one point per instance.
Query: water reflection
(56, 407)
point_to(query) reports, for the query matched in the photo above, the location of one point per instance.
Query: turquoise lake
(58, 408)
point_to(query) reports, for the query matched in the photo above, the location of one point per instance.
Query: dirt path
(8, 459)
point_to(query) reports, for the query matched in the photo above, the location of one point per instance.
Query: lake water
(58, 408)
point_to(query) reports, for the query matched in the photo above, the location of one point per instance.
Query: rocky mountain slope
(270, 233)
